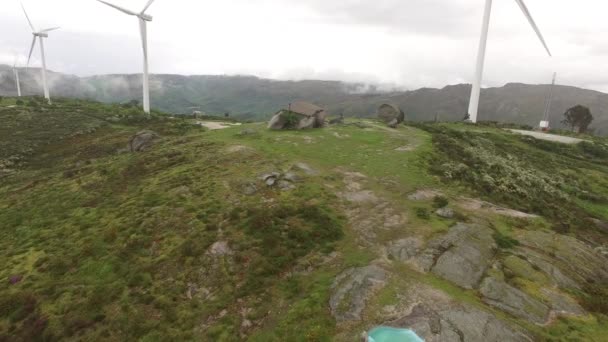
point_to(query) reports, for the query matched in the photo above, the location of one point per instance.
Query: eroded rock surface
(143, 141)
(458, 323)
(461, 256)
(352, 289)
(578, 263)
(509, 299)
(405, 249)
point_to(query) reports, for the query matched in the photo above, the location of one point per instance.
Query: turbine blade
(28, 18)
(144, 36)
(50, 29)
(147, 6)
(124, 10)
(524, 9)
(31, 51)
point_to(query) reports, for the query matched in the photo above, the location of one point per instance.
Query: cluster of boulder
(299, 115)
(304, 115)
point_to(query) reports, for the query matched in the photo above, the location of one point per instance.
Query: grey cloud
(433, 17)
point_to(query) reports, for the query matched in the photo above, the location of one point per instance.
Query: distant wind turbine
(143, 19)
(544, 124)
(16, 73)
(40, 35)
(475, 92)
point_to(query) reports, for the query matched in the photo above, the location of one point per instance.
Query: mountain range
(253, 98)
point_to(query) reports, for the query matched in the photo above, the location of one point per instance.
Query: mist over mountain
(253, 98)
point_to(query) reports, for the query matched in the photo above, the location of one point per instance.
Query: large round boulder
(142, 141)
(390, 114)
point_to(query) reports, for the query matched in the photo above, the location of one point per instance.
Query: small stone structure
(390, 114)
(299, 115)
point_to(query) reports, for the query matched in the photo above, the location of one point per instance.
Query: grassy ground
(103, 244)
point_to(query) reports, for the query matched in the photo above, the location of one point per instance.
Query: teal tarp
(386, 334)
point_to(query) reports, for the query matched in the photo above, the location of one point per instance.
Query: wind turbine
(475, 92)
(544, 124)
(143, 19)
(16, 73)
(40, 35)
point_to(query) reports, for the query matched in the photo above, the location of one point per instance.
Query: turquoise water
(386, 334)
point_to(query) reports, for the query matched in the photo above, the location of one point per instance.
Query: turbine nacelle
(145, 17)
(41, 34)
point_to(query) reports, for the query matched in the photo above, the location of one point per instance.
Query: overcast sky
(407, 43)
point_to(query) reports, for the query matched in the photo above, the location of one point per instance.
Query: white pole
(44, 83)
(550, 100)
(18, 84)
(481, 56)
(146, 79)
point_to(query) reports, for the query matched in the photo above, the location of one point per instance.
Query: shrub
(596, 299)
(440, 202)
(504, 241)
(423, 213)
(291, 120)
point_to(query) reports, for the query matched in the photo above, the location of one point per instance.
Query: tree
(578, 117)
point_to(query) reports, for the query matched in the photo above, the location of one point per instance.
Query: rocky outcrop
(467, 257)
(459, 323)
(219, 249)
(405, 249)
(142, 141)
(352, 289)
(446, 212)
(284, 182)
(461, 256)
(501, 295)
(575, 261)
(424, 195)
(562, 304)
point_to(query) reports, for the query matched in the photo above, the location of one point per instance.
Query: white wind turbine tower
(544, 124)
(475, 92)
(143, 19)
(16, 73)
(40, 35)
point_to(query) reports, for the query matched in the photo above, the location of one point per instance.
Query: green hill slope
(247, 234)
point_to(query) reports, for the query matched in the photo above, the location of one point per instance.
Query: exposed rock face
(283, 182)
(562, 304)
(507, 298)
(424, 195)
(462, 256)
(458, 324)
(446, 212)
(405, 249)
(477, 205)
(545, 264)
(578, 262)
(352, 289)
(142, 141)
(220, 248)
(249, 189)
(306, 169)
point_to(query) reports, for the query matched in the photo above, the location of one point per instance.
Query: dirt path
(215, 125)
(549, 137)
